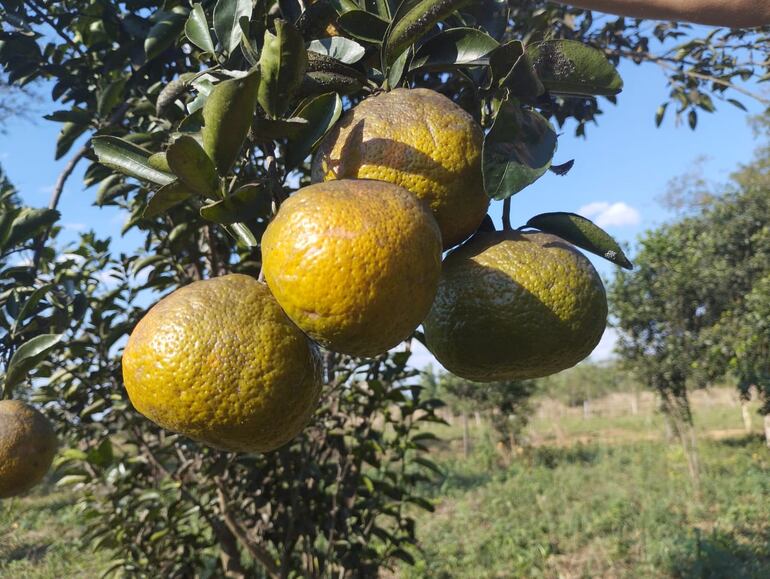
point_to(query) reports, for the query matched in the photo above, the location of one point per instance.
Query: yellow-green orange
(354, 263)
(420, 140)
(219, 362)
(27, 447)
(513, 306)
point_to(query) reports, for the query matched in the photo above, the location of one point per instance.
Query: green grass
(598, 497)
(612, 507)
(39, 537)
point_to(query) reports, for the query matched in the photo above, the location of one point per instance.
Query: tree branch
(507, 214)
(58, 29)
(56, 195)
(669, 64)
(257, 552)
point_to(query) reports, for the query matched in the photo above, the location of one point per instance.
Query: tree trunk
(465, 434)
(746, 415)
(635, 403)
(477, 418)
(767, 429)
(677, 409)
(586, 409)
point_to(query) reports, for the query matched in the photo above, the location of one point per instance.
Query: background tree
(141, 74)
(688, 313)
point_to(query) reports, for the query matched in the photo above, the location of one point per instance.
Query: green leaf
(250, 52)
(129, 159)
(32, 301)
(363, 25)
(227, 116)
(321, 113)
(67, 136)
(159, 161)
(338, 47)
(110, 96)
(197, 29)
(410, 26)
(517, 150)
(190, 163)
(76, 115)
(227, 13)
(26, 358)
(581, 232)
(248, 202)
(30, 223)
(512, 68)
(571, 67)
(454, 47)
(396, 70)
(102, 455)
(242, 234)
(165, 198)
(164, 32)
(283, 63)
(269, 129)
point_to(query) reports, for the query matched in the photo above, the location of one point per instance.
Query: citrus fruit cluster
(353, 262)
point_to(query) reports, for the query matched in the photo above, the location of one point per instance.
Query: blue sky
(620, 171)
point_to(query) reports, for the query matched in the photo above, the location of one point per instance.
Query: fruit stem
(507, 214)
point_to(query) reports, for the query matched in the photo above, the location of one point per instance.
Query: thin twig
(56, 195)
(507, 214)
(36, 9)
(669, 64)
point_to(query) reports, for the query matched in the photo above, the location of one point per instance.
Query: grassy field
(592, 496)
(602, 496)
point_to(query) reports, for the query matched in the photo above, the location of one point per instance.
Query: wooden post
(746, 415)
(767, 429)
(466, 443)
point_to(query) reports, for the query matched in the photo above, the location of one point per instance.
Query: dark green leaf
(571, 67)
(227, 115)
(129, 159)
(396, 70)
(283, 63)
(581, 232)
(249, 202)
(67, 136)
(164, 32)
(29, 305)
(197, 29)
(363, 25)
(165, 198)
(26, 358)
(490, 15)
(227, 13)
(194, 168)
(660, 113)
(338, 47)
(408, 27)
(110, 96)
(321, 113)
(242, 234)
(159, 161)
(77, 115)
(512, 68)
(517, 150)
(454, 47)
(268, 129)
(248, 48)
(30, 223)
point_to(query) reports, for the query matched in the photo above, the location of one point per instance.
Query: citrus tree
(199, 122)
(692, 312)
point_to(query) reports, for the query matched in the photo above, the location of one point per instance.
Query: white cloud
(74, 226)
(605, 349)
(46, 189)
(606, 214)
